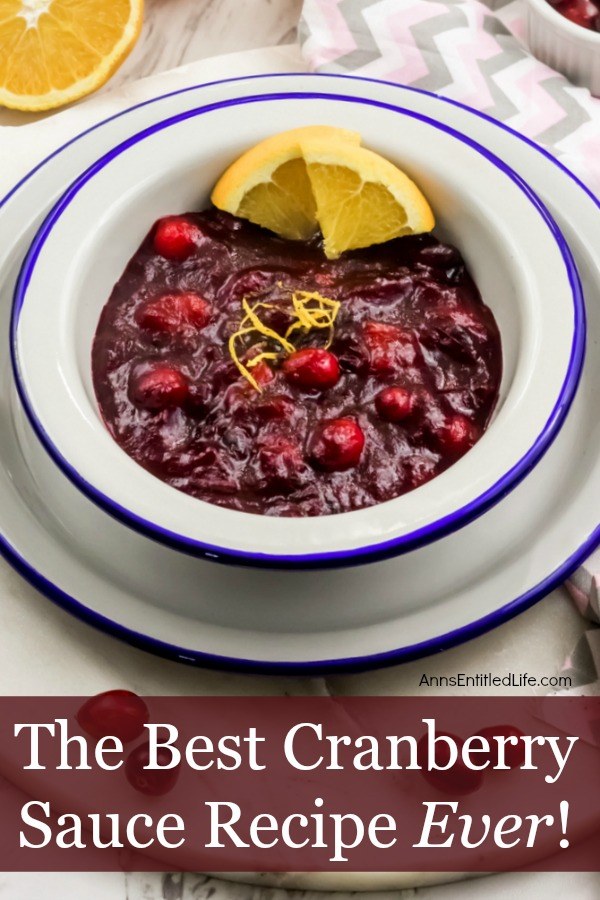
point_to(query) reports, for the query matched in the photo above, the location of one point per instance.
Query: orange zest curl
(312, 312)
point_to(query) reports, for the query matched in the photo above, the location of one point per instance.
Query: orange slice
(362, 198)
(54, 51)
(317, 177)
(269, 184)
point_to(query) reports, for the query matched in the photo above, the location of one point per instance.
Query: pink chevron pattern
(590, 150)
(472, 45)
(399, 30)
(333, 23)
(542, 109)
(461, 49)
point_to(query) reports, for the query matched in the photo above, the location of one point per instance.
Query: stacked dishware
(190, 580)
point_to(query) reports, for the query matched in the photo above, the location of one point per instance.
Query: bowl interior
(509, 248)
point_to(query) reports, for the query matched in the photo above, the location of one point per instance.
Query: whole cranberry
(457, 780)
(395, 404)
(514, 753)
(312, 368)
(162, 387)
(153, 782)
(338, 444)
(176, 238)
(119, 713)
(457, 435)
(174, 312)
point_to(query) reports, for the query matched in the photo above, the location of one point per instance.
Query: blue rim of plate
(331, 559)
(377, 660)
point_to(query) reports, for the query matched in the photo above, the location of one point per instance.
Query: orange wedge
(269, 184)
(312, 178)
(362, 198)
(55, 51)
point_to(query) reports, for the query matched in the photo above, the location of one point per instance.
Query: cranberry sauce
(582, 12)
(406, 386)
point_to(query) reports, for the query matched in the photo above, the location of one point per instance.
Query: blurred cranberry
(459, 779)
(389, 347)
(162, 387)
(580, 12)
(173, 312)
(262, 373)
(176, 238)
(276, 406)
(119, 713)
(395, 404)
(153, 782)
(457, 435)
(312, 368)
(280, 462)
(338, 444)
(514, 754)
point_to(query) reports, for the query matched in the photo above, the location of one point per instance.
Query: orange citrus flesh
(319, 177)
(55, 51)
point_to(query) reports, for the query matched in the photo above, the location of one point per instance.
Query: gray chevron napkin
(464, 49)
(473, 52)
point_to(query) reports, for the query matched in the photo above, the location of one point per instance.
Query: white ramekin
(563, 45)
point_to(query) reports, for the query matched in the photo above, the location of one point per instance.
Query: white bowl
(513, 248)
(563, 45)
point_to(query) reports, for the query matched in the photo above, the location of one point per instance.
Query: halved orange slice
(319, 177)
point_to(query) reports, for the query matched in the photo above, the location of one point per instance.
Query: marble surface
(114, 886)
(180, 32)
(177, 32)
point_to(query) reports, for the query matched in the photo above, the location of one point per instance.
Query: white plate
(425, 601)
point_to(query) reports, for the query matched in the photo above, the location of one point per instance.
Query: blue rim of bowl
(331, 559)
(401, 654)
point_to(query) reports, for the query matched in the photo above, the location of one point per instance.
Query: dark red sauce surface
(411, 386)
(582, 12)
